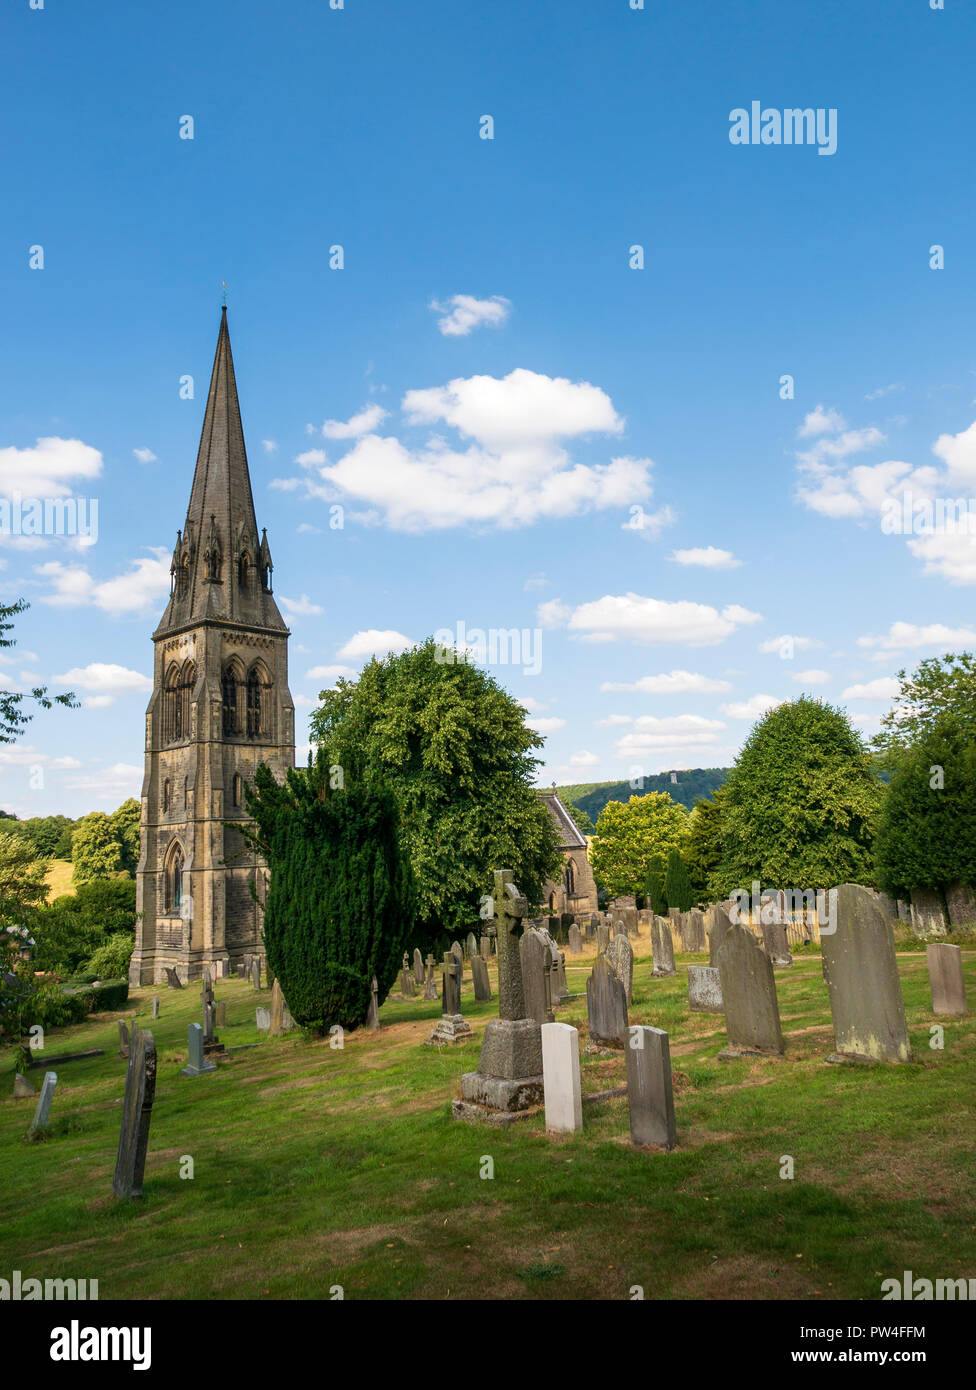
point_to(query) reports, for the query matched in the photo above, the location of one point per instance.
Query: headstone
(471, 945)
(961, 902)
(458, 954)
(451, 1027)
(155, 1012)
(928, 913)
(172, 979)
(628, 916)
(123, 1039)
(775, 943)
(535, 960)
(704, 990)
(649, 1091)
(418, 968)
(888, 906)
(277, 1026)
(602, 938)
(23, 1089)
(262, 1017)
(256, 974)
(373, 1015)
(620, 954)
(241, 970)
(197, 1062)
(430, 983)
(575, 940)
(209, 1012)
(561, 974)
(749, 996)
(509, 1076)
(485, 947)
(407, 988)
(696, 930)
(606, 1005)
(645, 918)
(140, 1091)
(946, 978)
(717, 924)
(561, 1078)
(43, 1112)
(662, 945)
(675, 916)
(904, 911)
(479, 973)
(862, 979)
(221, 1013)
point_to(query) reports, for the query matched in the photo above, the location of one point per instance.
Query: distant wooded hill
(591, 797)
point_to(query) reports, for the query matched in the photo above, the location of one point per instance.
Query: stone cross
(511, 909)
(430, 983)
(451, 1001)
(140, 1091)
(43, 1112)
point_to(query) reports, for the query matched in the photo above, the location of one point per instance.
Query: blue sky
(489, 454)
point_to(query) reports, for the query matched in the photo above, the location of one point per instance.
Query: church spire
(217, 570)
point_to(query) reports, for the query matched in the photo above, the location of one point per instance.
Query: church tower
(220, 706)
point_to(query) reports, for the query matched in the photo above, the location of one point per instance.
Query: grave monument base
(451, 1028)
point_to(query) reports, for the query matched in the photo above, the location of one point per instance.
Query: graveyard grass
(316, 1167)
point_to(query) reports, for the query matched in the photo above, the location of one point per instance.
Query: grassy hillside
(698, 781)
(59, 879)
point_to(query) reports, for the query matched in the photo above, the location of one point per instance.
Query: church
(220, 705)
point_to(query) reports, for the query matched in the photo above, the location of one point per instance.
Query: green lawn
(316, 1167)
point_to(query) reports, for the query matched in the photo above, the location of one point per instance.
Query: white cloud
(373, 642)
(49, 469)
(820, 421)
(98, 701)
(651, 734)
(649, 524)
(672, 683)
(301, 607)
(951, 553)
(104, 678)
(305, 529)
(145, 455)
(884, 391)
(303, 702)
(26, 755)
(356, 426)
(142, 589)
(552, 613)
(812, 677)
(462, 313)
(330, 673)
(309, 459)
(515, 410)
(270, 446)
(884, 688)
(632, 617)
(535, 581)
(708, 557)
(911, 637)
(753, 708)
(548, 725)
(613, 720)
(583, 758)
(114, 784)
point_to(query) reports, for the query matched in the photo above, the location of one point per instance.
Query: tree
(800, 806)
(50, 835)
(702, 848)
(125, 827)
(927, 832)
(630, 836)
(940, 689)
(455, 752)
(579, 818)
(95, 848)
(654, 887)
(73, 927)
(677, 884)
(23, 886)
(340, 906)
(13, 719)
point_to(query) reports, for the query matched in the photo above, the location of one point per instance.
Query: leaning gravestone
(172, 979)
(197, 1062)
(561, 974)
(123, 1039)
(482, 984)
(775, 943)
(662, 945)
(277, 1011)
(649, 1090)
(862, 979)
(561, 1078)
(140, 1091)
(749, 996)
(42, 1114)
(575, 940)
(946, 978)
(418, 968)
(620, 954)
(535, 960)
(704, 990)
(606, 1005)
(717, 923)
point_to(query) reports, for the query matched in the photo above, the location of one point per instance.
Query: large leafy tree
(23, 886)
(940, 694)
(702, 849)
(340, 906)
(801, 804)
(72, 929)
(457, 756)
(13, 717)
(95, 848)
(125, 827)
(50, 835)
(630, 836)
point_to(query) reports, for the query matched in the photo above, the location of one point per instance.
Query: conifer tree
(677, 884)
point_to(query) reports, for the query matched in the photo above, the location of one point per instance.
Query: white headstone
(561, 1078)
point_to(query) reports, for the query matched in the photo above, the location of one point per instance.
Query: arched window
(230, 682)
(167, 794)
(170, 702)
(238, 789)
(258, 701)
(570, 878)
(243, 568)
(184, 692)
(174, 879)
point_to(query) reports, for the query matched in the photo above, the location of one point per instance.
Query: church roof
(221, 527)
(570, 836)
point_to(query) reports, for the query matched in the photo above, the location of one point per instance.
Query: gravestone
(23, 1089)
(961, 902)
(862, 979)
(649, 1091)
(620, 954)
(407, 988)
(561, 1078)
(946, 978)
(575, 940)
(606, 1005)
(561, 974)
(479, 974)
(485, 946)
(373, 1015)
(904, 911)
(451, 1027)
(155, 1012)
(262, 1018)
(471, 945)
(418, 968)
(645, 918)
(198, 1062)
(775, 943)
(888, 906)
(602, 938)
(241, 970)
(140, 1091)
(42, 1114)
(123, 1039)
(662, 945)
(717, 923)
(509, 1077)
(172, 979)
(696, 930)
(704, 990)
(535, 960)
(458, 954)
(277, 1026)
(749, 997)
(628, 915)
(430, 983)
(256, 974)
(674, 915)
(221, 1013)
(928, 913)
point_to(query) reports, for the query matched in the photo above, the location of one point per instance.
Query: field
(59, 879)
(316, 1166)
